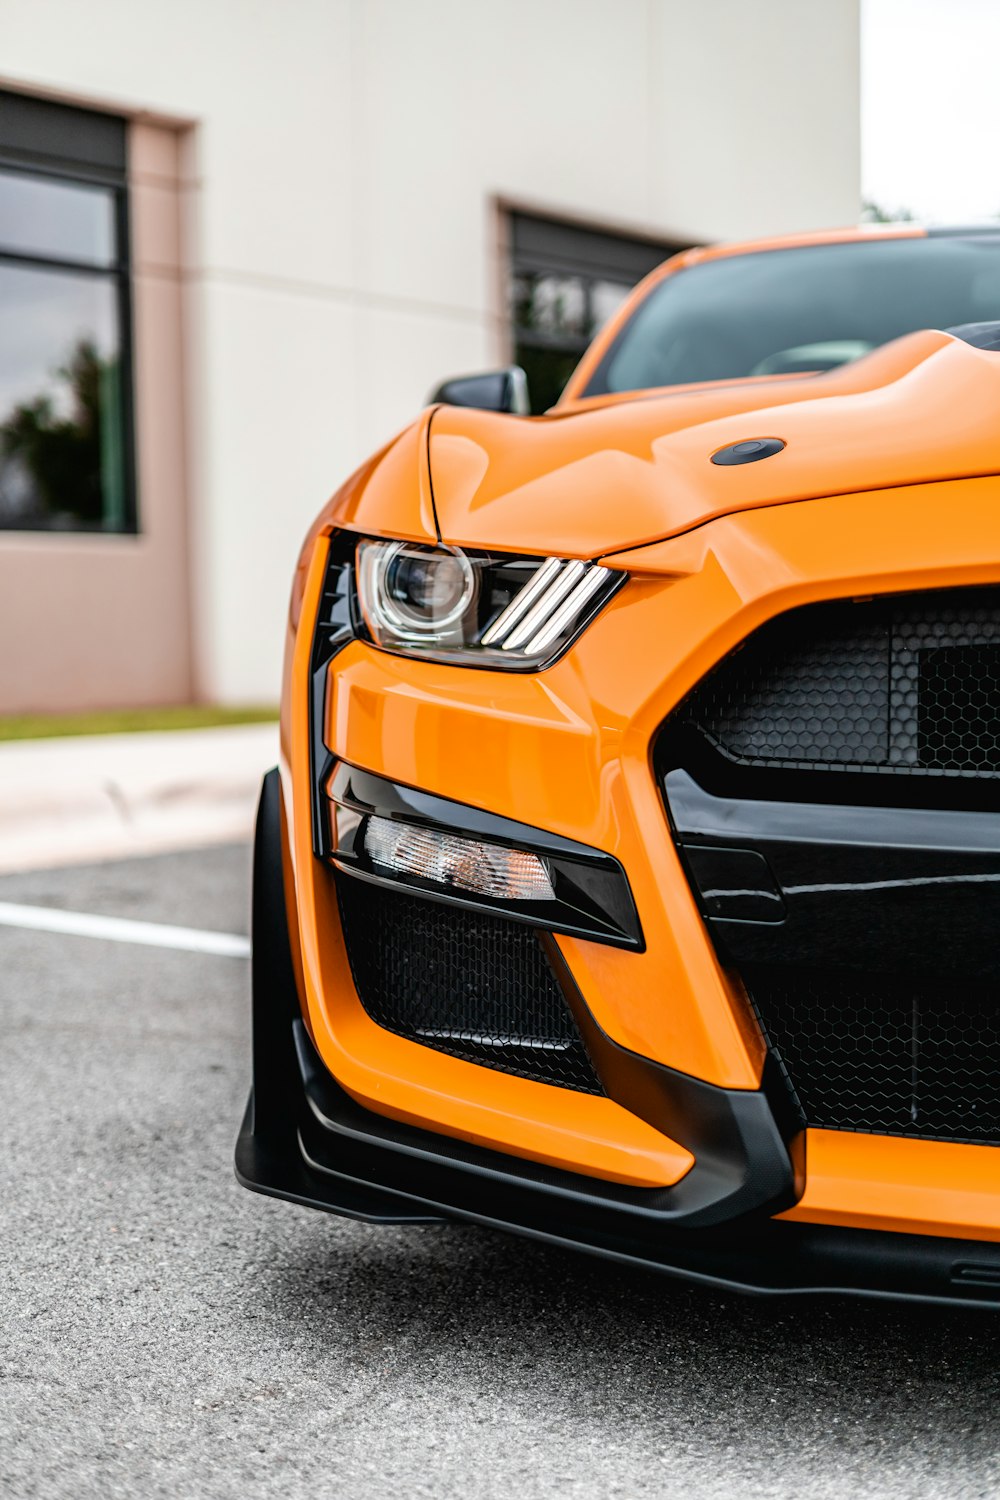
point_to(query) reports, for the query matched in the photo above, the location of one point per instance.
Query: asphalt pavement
(165, 1333)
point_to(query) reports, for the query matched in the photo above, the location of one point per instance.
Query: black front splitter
(335, 1156)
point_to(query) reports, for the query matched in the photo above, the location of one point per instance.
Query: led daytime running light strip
(549, 602)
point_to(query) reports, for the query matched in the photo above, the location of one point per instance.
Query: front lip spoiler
(338, 1157)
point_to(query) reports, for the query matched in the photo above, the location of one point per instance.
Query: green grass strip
(130, 721)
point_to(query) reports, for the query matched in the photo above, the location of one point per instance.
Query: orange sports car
(631, 878)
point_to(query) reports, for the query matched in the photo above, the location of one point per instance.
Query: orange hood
(600, 478)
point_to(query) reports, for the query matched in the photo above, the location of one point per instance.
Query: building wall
(90, 619)
(338, 164)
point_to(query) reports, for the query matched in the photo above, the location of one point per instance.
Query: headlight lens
(411, 593)
(486, 609)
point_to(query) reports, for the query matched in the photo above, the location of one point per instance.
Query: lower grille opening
(884, 1054)
(462, 982)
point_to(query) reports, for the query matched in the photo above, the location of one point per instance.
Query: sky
(930, 111)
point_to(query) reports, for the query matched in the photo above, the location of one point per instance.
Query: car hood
(599, 479)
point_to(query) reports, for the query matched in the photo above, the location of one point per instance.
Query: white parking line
(123, 930)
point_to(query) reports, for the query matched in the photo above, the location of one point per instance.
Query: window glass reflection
(565, 282)
(551, 304)
(785, 312)
(61, 448)
(61, 220)
(606, 297)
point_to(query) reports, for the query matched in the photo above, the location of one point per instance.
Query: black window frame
(540, 244)
(80, 147)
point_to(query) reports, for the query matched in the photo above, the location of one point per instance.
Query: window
(565, 283)
(66, 460)
(796, 311)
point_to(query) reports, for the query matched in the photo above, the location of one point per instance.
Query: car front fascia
(715, 585)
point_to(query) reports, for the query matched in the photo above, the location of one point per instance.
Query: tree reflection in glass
(58, 464)
(61, 458)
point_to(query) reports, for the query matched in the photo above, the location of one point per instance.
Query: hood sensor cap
(749, 452)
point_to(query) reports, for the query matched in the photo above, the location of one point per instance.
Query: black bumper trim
(337, 1136)
(357, 1165)
(592, 897)
(888, 890)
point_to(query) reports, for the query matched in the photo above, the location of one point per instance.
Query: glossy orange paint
(911, 1187)
(887, 483)
(411, 1083)
(921, 408)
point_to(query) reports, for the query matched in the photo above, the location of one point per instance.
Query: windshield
(778, 312)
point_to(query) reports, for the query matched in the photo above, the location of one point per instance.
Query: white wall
(340, 253)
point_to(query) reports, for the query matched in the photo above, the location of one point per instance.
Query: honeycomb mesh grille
(907, 684)
(463, 982)
(885, 1055)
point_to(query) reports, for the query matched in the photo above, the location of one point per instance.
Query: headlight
(412, 593)
(483, 609)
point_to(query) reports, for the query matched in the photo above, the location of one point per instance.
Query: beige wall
(95, 621)
(341, 259)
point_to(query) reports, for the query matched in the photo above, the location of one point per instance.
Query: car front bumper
(305, 1140)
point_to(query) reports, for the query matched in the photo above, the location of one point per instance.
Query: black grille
(472, 985)
(890, 689)
(959, 695)
(886, 1055)
(902, 685)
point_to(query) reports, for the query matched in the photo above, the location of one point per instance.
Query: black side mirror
(498, 390)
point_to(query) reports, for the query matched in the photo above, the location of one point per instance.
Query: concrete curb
(100, 797)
